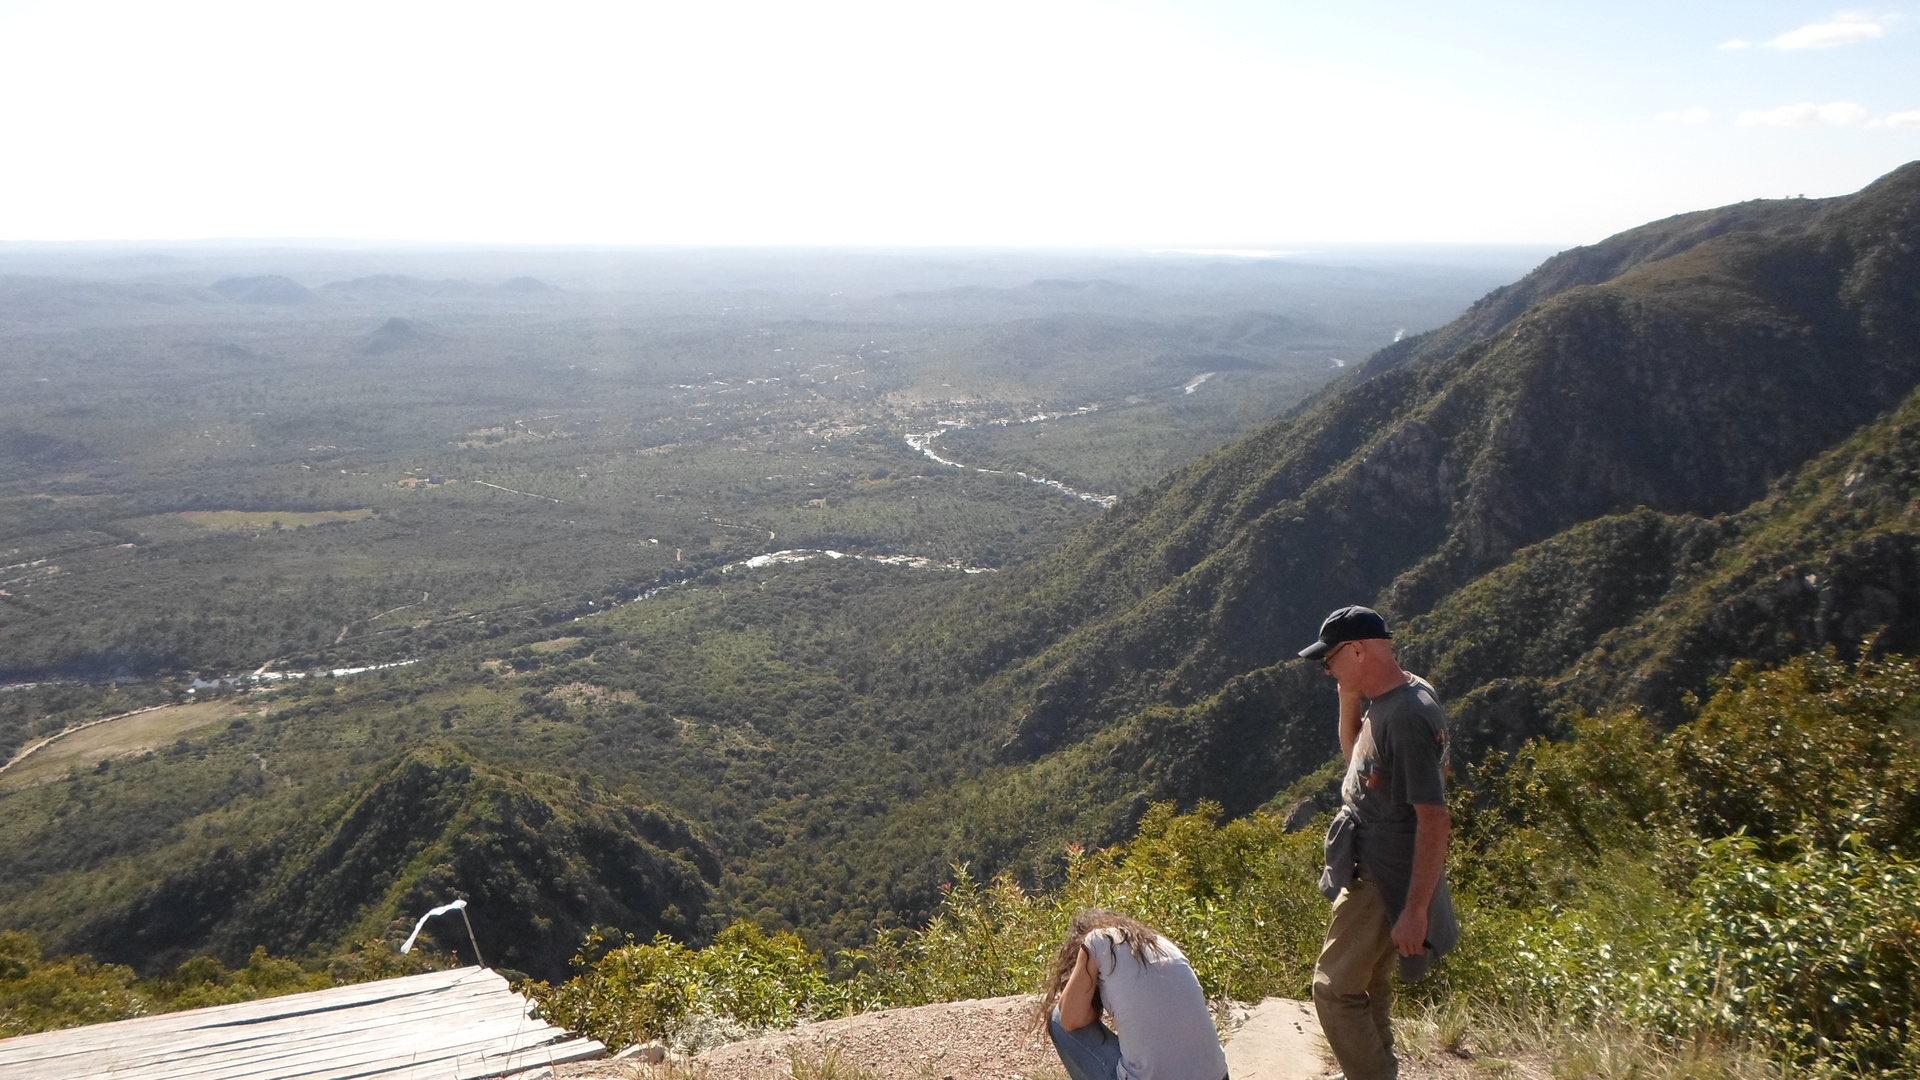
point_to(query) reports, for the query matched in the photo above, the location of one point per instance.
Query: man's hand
(1429, 860)
(1410, 931)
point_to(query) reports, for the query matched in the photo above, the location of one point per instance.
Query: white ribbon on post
(459, 906)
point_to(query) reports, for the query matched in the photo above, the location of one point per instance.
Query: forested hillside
(1674, 375)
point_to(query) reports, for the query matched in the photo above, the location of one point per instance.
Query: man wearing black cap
(1386, 849)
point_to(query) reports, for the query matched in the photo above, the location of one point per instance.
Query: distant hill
(1040, 295)
(265, 289)
(1683, 368)
(24, 298)
(1207, 361)
(395, 286)
(529, 285)
(392, 286)
(397, 333)
(1045, 290)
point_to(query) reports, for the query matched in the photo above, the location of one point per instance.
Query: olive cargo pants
(1353, 985)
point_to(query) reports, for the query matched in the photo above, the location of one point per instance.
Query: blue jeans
(1089, 1053)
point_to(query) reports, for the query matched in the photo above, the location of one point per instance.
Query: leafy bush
(1817, 955)
(204, 980)
(41, 993)
(1746, 879)
(1239, 898)
(746, 979)
(37, 994)
(1813, 752)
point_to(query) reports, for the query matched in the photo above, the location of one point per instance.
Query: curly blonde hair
(1137, 936)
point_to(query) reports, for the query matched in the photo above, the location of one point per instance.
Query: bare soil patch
(121, 736)
(552, 644)
(254, 520)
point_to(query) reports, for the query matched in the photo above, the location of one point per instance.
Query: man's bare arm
(1429, 860)
(1352, 709)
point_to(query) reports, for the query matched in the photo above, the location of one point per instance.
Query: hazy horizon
(1221, 124)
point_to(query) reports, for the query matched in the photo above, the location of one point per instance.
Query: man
(1386, 849)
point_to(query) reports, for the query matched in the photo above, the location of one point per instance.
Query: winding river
(924, 444)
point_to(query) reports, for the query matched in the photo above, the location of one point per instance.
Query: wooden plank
(336, 1025)
(315, 1001)
(558, 1054)
(202, 1025)
(480, 1052)
(352, 1050)
(297, 1043)
(298, 1047)
(467, 1023)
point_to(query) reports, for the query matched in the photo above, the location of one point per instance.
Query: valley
(181, 464)
(662, 542)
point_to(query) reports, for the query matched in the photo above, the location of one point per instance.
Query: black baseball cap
(1353, 623)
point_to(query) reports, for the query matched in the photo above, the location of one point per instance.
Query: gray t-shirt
(1159, 1011)
(1398, 759)
(1398, 763)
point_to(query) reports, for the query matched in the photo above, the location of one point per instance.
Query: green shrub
(1809, 753)
(39, 994)
(662, 990)
(1746, 880)
(1239, 898)
(1817, 956)
(204, 981)
(632, 994)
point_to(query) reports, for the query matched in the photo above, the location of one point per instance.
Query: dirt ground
(988, 1039)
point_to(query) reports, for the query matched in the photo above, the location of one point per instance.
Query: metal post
(470, 937)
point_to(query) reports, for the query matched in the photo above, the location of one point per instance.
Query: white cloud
(1735, 43)
(1837, 113)
(1699, 114)
(1909, 119)
(1843, 30)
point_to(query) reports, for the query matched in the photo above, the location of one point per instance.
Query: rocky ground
(993, 1039)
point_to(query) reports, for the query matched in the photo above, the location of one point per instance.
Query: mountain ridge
(1727, 350)
(542, 866)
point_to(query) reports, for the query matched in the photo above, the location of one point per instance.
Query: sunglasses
(1326, 662)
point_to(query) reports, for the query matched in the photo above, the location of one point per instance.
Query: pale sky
(1031, 123)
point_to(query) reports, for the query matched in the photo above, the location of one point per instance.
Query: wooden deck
(447, 1025)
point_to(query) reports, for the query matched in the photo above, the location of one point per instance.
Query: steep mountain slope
(1717, 353)
(1643, 608)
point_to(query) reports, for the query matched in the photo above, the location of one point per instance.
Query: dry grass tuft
(1456, 1040)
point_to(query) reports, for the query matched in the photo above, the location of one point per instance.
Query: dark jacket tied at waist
(1382, 854)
